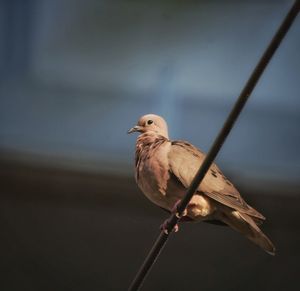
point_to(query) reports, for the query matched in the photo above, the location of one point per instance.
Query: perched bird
(164, 170)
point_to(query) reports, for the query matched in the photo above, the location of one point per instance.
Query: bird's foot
(176, 212)
(166, 225)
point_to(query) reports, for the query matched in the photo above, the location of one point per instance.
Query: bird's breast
(152, 169)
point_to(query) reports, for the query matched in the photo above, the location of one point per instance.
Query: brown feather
(244, 224)
(185, 160)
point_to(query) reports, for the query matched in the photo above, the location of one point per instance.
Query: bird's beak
(134, 129)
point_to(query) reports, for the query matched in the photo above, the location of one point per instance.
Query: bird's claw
(165, 226)
(175, 210)
(178, 215)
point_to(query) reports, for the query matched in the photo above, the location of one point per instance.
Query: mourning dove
(164, 169)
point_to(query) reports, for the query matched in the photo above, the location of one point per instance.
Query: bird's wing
(184, 162)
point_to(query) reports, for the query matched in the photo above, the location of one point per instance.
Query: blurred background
(76, 75)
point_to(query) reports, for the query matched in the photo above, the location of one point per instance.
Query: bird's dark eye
(149, 122)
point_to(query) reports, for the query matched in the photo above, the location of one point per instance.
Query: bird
(165, 168)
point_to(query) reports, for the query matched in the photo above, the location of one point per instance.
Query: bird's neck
(148, 138)
(148, 141)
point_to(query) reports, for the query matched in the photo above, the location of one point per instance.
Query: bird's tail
(244, 224)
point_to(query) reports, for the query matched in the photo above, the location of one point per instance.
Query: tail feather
(244, 224)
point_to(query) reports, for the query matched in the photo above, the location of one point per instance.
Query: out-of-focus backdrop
(75, 75)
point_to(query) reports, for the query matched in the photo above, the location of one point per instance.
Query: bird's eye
(149, 122)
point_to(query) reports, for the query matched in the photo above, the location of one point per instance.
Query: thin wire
(241, 101)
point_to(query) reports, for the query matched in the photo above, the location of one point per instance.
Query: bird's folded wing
(184, 162)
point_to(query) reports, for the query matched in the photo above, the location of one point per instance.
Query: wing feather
(184, 162)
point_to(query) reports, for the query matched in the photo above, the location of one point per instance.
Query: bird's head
(151, 123)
